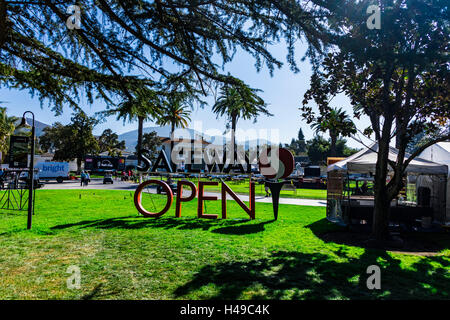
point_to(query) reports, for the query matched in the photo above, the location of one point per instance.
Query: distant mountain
(40, 126)
(220, 140)
(131, 137)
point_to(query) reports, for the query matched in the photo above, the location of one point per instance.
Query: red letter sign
(180, 195)
(138, 196)
(250, 211)
(201, 197)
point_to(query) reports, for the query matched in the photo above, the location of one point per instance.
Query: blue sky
(283, 92)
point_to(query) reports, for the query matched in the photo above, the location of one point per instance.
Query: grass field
(122, 255)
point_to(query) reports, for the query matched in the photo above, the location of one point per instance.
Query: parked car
(173, 187)
(37, 183)
(108, 178)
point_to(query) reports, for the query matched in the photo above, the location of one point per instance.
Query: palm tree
(140, 108)
(337, 123)
(7, 126)
(239, 103)
(176, 114)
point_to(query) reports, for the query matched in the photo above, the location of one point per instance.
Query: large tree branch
(423, 147)
(138, 34)
(3, 23)
(97, 51)
(51, 60)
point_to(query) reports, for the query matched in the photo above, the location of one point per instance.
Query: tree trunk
(139, 143)
(398, 137)
(233, 137)
(382, 202)
(172, 164)
(333, 138)
(78, 165)
(3, 32)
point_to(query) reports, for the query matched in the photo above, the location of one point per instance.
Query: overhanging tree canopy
(124, 48)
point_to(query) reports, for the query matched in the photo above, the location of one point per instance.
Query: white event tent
(421, 173)
(440, 153)
(365, 161)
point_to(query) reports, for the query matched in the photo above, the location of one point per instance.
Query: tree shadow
(243, 229)
(294, 275)
(411, 242)
(133, 222)
(97, 292)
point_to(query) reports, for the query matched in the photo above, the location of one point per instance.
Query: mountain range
(40, 126)
(130, 137)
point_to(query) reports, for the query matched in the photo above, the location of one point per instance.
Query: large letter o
(138, 193)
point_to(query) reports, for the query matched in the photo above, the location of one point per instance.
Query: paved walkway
(97, 184)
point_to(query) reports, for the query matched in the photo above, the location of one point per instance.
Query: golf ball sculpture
(274, 164)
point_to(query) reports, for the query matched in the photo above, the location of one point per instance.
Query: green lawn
(122, 255)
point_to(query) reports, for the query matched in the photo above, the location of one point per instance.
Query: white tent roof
(365, 161)
(439, 153)
(444, 145)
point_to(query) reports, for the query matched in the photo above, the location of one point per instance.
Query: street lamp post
(31, 172)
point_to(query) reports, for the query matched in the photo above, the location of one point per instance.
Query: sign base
(275, 189)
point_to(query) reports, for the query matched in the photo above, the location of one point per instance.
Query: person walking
(82, 178)
(267, 189)
(88, 179)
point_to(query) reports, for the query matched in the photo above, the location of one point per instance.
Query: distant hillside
(40, 126)
(220, 140)
(130, 137)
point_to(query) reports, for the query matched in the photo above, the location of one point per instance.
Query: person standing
(88, 179)
(83, 177)
(267, 189)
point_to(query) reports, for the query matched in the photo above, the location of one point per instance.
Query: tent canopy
(439, 153)
(365, 161)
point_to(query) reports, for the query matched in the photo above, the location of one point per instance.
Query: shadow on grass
(98, 292)
(243, 229)
(131, 222)
(412, 242)
(293, 275)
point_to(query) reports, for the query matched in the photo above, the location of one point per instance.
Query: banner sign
(19, 151)
(104, 163)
